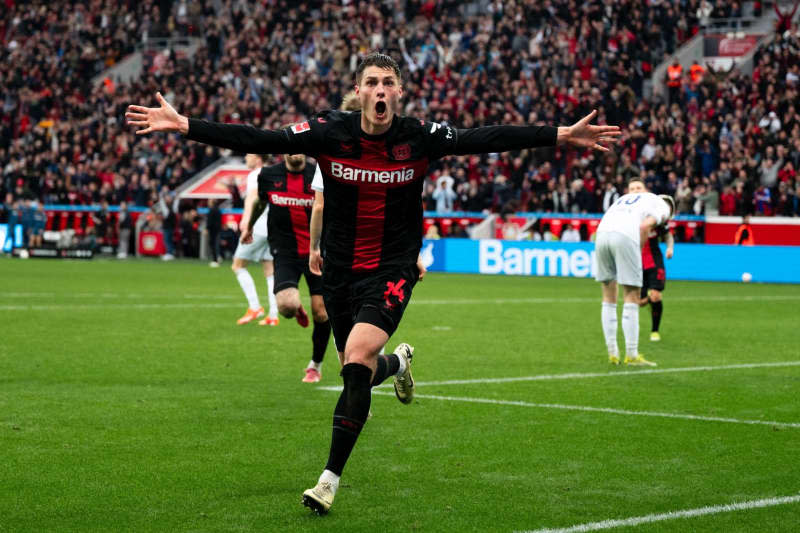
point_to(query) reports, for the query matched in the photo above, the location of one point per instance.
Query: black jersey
(373, 184)
(290, 199)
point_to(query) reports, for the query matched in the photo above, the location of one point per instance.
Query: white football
(23, 254)
(747, 277)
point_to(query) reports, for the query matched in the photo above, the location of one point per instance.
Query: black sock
(349, 415)
(319, 337)
(388, 365)
(656, 309)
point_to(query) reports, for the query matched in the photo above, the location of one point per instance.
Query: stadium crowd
(729, 145)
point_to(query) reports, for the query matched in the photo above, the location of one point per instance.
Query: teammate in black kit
(286, 189)
(654, 276)
(373, 165)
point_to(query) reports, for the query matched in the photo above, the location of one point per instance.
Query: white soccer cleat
(404, 383)
(320, 498)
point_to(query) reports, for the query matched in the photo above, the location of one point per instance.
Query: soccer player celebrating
(256, 249)
(621, 235)
(373, 165)
(654, 276)
(285, 190)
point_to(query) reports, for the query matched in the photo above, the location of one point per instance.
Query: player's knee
(358, 356)
(655, 296)
(287, 309)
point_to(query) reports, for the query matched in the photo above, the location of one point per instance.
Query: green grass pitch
(131, 401)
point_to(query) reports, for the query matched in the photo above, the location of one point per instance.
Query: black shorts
(378, 298)
(653, 278)
(288, 271)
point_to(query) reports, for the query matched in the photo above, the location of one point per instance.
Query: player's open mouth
(380, 109)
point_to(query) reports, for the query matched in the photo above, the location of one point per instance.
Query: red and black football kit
(654, 275)
(372, 220)
(290, 199)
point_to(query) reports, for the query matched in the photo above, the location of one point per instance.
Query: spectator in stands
(62, 138)
(784, 22)
(26, 219)
(570, 234)
(744, 233)
(167, 210)
(214, 227)
(674, 80)
(100, 220)
(124, 227)
(727, 201)
(444, 195)
(38, 224)
(190, 233)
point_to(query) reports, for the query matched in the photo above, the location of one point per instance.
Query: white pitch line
(587, 375)
(55, 307)
(454, 301)
(672, 515)
(469, 301)
(608, 410)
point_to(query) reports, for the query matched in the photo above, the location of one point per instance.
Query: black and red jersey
(373, 184)
(651, 252)
(290, 200)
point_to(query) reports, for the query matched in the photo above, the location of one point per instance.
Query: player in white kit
(257, 250)
(618, 247)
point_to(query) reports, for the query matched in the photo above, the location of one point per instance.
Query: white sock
(630, 328)
(249, 288)
(331, 478)
(273, 303)
(315, 366)
(609, 319)
(402, 366)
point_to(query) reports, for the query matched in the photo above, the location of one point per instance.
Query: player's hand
(246, 236)
(162, 118)
(669, 253)
(315, 262)
(421, 268)
(584, 135)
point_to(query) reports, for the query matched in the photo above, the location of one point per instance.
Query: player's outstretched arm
(585, 135)
(315, 232)
(488, 139)
(670, 240)
(238, 137)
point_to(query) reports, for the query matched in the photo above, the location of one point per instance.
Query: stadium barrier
(696, 262)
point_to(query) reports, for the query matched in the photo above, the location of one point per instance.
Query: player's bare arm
(253, 207)
(670, 240)
(421, 267)
(315, 233)
(644, 230)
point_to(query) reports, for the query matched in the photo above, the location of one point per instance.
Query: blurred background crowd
(722, 142)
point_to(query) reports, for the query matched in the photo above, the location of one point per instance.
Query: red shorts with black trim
(378, 298)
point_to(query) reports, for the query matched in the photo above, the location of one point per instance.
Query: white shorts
(618, 258)
(258, 250)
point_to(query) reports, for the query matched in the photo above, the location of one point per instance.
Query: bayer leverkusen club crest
(401, 152)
